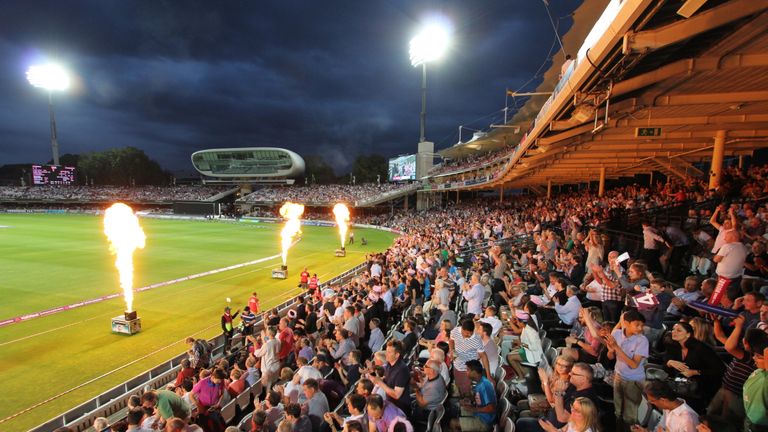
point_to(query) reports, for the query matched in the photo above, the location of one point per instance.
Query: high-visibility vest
(313, 282)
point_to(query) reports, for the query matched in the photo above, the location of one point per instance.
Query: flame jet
(125, 235)
(341, 212)
(291, 212)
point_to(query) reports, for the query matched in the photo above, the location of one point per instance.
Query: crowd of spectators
(321, 194)
(109, 193)
(484, 315)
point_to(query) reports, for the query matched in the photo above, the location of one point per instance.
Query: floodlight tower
(50, 77)
(428, 45)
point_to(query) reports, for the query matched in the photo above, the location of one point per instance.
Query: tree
(121, 166)
(367, 167)
(318, 171)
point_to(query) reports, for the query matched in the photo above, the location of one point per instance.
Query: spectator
(530, 350)
(677, 415)
(166, 403)
(185, 372)
(479, 413)
(465, 346)
(728, 402)
(431, 389)
(135, 418)
(629, 347)
(376, 340)
(397, 378)
(583, 417)
(298, 421)
(208, 393)
(268, 352)
(756, 386)
(316, 405)
(381, 414)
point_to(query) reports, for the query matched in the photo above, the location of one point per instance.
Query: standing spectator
(652, 242)
(629, 347)
(228, 326)
(167, 403)
(728, 402)
(286, 340)
(270, 363)
(465, 345)
(376, 340)
(248, 319)
(756, 386)
(612, 293)
(200, 353)
(730, 259)
(397, 378)
(207, 395)
(474, 294)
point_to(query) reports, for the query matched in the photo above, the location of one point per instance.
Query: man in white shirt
(731, 256)
(375, 269)
(491, 318)
(474, 294)
(677, 417)
(569, 312)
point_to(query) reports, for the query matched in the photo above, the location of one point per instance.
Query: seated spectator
(350, 373)
(583, 418)
(479, 412)
(586, 347)
(696, 361)
(258, 419)
(186, 372)
(677, 415)
(683, 296)
(356, 408)
(430, 389)
(381, 414)
(273, 410)
(316, 405)
(296, 420)
(529, 349)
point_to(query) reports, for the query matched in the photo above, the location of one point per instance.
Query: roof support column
(718, 153)
(458, 200)
(549, 188)
(501, 194)
(601, 187)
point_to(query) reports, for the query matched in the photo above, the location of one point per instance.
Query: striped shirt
(465, 349)
(737, 372)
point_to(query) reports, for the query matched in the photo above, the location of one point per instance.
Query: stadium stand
(322, 194)
(448, 296)
(149, 194)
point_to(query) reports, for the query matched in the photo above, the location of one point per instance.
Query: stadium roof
(648, 67)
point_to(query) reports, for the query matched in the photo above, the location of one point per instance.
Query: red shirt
(253, 303)
(286, 343)
(313, 283)
(304, 277)
(183, 374)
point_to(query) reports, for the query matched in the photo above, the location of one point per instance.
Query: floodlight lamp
(48, 76)
(430, 44)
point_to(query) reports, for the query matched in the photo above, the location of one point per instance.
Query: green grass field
(53, 260)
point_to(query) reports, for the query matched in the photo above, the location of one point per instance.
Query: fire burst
(292, 213)
(125, 236)
(342, 220)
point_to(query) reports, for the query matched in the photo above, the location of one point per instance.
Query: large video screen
(53, 175)
(402, 168)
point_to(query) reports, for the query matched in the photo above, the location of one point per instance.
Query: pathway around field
(58, 309)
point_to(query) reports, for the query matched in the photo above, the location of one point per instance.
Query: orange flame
(125, 236)
(342, 220)
(292, 213)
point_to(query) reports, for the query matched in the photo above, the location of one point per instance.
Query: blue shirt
(400, 289)
(632, 346)
(485, 395)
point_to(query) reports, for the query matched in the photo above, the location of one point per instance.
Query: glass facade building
(253, 162)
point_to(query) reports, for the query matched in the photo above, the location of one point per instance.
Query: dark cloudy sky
(318, 77)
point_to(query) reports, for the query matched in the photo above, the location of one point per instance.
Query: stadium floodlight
(50, 77)
(430, 44)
